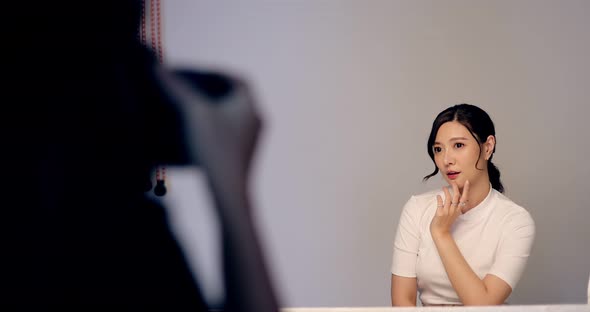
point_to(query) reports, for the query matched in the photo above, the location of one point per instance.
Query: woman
(466, 244)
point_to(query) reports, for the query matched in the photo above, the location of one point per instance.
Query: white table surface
(503, 308)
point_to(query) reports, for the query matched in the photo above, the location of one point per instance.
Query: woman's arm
(405, 255)
(403, 291)
(469, 287)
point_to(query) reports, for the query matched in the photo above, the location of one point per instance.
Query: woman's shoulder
(429, 195)
(423, 201)
(511, 210)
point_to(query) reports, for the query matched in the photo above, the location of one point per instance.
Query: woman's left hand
(448, 211)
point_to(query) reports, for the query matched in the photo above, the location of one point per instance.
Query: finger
(456, 195)
(456, 192)
(464, 195)
(439, 205)
(447, 203)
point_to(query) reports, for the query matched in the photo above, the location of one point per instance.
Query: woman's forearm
(469, 287)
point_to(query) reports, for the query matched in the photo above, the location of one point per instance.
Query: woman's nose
(449, 159)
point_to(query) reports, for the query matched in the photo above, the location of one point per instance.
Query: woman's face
(456, 153)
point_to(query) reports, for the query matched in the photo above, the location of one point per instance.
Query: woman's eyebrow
(453, 139)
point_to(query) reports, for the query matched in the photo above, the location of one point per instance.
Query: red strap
(155, 21)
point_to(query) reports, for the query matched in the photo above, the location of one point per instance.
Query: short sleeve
(407, 241)
(514, 249)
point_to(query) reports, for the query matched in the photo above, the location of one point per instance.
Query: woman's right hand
(449, 210)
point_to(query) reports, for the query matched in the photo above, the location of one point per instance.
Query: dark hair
(479, 124)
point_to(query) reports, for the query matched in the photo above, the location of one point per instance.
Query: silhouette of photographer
(91, 114)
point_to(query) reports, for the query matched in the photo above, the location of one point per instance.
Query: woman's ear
(489, 146)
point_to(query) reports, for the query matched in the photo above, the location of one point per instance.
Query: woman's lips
(453, 175)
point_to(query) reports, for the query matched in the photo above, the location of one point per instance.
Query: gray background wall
(349, 89)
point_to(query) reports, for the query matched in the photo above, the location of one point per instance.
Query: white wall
(349, 89)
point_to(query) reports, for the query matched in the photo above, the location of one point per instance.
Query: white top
(495, 237)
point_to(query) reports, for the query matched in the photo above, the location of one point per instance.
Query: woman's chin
(459, 182)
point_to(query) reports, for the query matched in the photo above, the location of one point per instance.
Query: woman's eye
(459, 145)
(437, 149)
